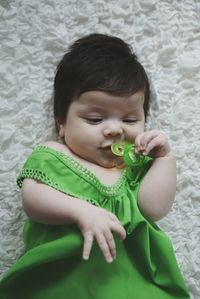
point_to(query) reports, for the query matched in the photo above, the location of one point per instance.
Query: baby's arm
(158, 187)
(47, 205)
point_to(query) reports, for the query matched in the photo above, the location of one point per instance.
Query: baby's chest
(108, 176)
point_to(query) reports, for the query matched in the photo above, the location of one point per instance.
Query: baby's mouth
(107, 149)
(118, 161)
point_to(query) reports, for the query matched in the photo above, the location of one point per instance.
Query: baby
(81, 199)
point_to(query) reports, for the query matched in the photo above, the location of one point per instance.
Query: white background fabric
(166, 37)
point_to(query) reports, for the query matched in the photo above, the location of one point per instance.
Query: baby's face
(96, 119)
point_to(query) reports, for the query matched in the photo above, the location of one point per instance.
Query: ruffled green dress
(52, 266)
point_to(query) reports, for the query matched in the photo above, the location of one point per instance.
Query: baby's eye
(129, 120)
(94, 120)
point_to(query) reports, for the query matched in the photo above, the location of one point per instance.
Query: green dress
(52, 266)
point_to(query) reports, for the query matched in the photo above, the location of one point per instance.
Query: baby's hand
(97, 223)
(153, 143)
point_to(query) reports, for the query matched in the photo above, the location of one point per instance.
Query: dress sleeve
(39, 166)
(53, 169)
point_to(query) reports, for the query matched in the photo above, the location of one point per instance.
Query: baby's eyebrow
(92, 109)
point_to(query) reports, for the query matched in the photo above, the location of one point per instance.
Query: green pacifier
(118, 148)
(126, 150)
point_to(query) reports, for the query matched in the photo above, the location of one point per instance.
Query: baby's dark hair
(98, 62)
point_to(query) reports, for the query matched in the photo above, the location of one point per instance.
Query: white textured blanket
(166, 37)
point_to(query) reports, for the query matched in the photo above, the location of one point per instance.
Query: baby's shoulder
(56, 146)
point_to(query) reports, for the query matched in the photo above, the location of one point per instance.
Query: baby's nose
(113, 130)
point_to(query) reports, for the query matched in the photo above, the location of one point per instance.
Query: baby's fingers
(111, 243)
(118, 228)
(103, 245)
(155, 142)
(142, 140)
(88, 241)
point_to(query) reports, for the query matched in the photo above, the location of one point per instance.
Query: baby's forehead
(102, 102)
(100, 98)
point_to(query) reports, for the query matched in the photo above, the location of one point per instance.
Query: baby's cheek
(134, 133)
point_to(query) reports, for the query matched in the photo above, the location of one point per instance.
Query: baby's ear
(61, 130)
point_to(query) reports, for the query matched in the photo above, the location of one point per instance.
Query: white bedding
(166, 37)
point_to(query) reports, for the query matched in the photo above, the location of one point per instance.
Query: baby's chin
(115, 163)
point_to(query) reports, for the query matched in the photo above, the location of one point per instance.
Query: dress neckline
(84, 172)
